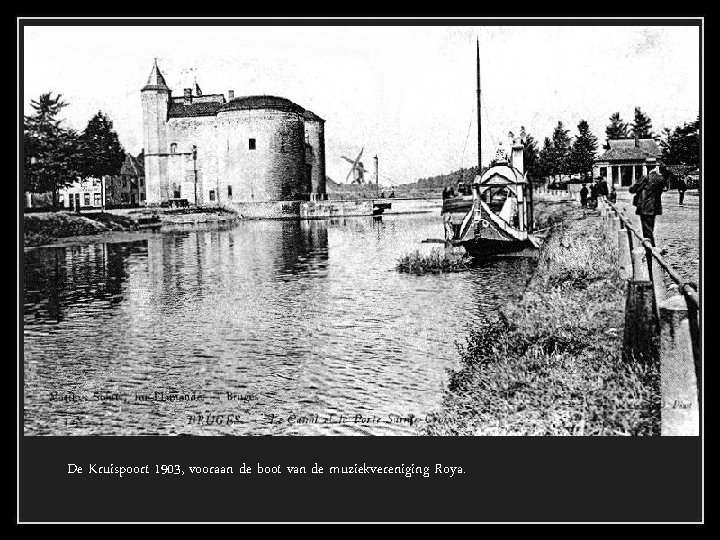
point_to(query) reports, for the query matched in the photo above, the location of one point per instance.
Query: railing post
(640, 265)
(680, 413)
(658, 279)
(639, 340)
(624, 258)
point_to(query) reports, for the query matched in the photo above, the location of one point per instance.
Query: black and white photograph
(361, 229)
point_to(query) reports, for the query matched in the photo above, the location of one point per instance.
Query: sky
(404, 93)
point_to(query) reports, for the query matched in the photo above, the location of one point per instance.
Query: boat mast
(478, 110)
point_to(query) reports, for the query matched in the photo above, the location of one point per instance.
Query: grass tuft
(437, 261)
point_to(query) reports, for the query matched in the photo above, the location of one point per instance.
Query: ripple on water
(311, 318)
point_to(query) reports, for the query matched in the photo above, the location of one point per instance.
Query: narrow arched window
(173, 148)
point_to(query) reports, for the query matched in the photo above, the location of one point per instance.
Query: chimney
(231, 95)
(188, 96)
(516, 156)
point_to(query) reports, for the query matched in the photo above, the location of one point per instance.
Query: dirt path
(678, 231)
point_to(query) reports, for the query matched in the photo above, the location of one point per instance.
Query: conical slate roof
(156, 81)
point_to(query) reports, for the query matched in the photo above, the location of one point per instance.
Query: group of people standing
(589, 198)
(647, 199)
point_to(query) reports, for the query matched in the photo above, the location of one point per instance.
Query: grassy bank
(550, 364)
(46, 227)
(40, 229)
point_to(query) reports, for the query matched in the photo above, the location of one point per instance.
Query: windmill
(357, 170)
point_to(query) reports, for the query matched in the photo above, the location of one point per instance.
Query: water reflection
(309, 318)
(58, 278)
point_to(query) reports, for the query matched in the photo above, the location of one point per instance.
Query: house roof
(625, 154)
(309, 115)
(263, 102)
(625, 150)
(649, 145)
(180, 110)
(680, 170)
(133, 166)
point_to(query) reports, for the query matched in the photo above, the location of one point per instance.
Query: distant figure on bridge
(392, 194)
(682, 188)
(583, 196)
(648, 192)
(612, 197)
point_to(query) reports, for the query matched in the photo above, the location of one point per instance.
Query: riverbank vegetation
(43, 228)
(550, 364)
(437, 261)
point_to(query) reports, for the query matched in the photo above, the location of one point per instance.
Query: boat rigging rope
(492, 139)
(462, 159)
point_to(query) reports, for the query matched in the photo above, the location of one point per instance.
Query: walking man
(601, 187)
(648, 192)
(583, 196)
(682, 188)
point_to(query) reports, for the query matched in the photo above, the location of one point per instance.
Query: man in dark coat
(648, 192)
(682, 188)
(601, 187)
(583, 196)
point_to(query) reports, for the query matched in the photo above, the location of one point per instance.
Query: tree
(546, 159)
(617, 129)
(682, 145)
(102, 153)
(561, 150)
(51, 159)
(642, 125)
(583, 150)
(531, 160)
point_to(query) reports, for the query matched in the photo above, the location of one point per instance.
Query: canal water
(268, 327)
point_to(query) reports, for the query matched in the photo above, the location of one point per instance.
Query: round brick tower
(264, 148)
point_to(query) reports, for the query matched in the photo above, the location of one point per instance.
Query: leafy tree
(546, 159)
(561, 150)
(682, 145)
(531, 159)
(102, 153)
(617, 129)
(642, 125)
(51, 159)
(583, 150)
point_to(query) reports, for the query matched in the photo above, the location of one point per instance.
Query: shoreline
(550, 364)
(63, 228)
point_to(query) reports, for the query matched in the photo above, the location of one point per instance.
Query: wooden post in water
(624, 258)
(680, 413)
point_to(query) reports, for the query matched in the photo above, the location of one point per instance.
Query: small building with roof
(627, 160)
(128, 187)
(212, 149)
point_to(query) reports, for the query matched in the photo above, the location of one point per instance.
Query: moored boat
(497, 217)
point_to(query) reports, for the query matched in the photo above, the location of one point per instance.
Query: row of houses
(126, 189)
